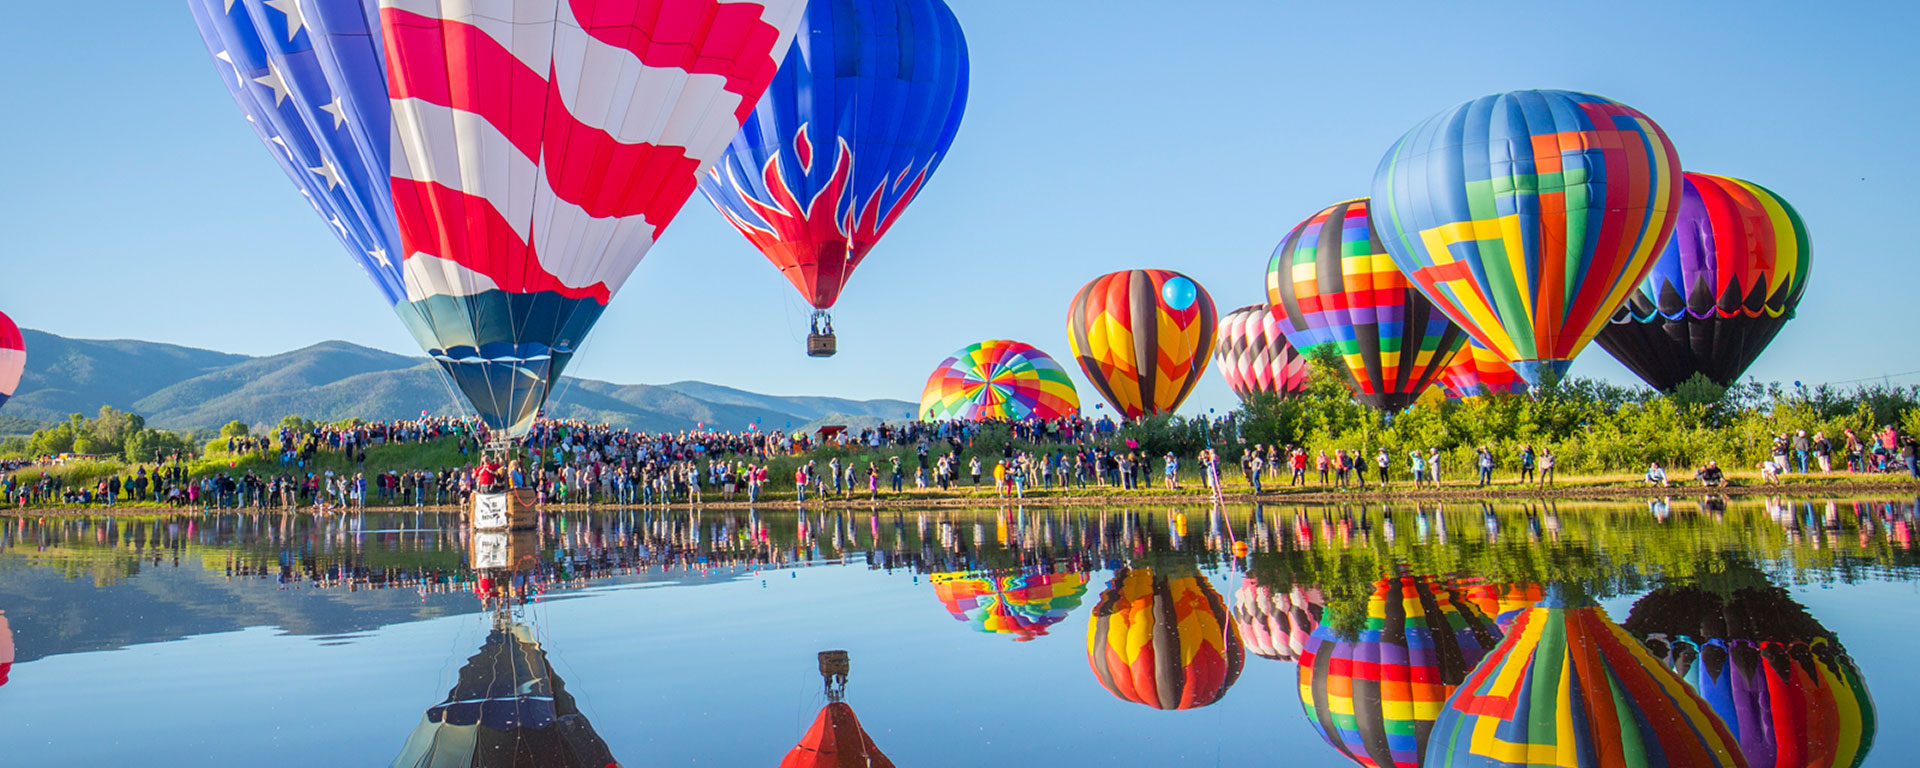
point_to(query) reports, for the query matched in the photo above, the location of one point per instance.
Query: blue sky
(1099, 136)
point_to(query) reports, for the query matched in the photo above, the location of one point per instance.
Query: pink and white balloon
(1254, 356)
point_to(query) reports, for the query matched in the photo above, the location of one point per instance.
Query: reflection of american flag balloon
(1255, 357)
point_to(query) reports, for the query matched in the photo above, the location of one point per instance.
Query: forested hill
(184, 388)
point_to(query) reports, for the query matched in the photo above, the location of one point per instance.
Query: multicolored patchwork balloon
(1529, 217)
(999, 380)
(1477, 371)
(13, 357)
(1331, 282)
(1021, 605)
(867, 102)
(1142, 337)
(1568, 687)
(1254, 356)
(1504, 603)
(1276, 624)
(1726, 284)
(1780, 681)
(1163, 640)
(1374, 697)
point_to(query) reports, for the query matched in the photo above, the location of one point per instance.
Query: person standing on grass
(1855, 450)
(1546, 465)
(1342, 467)
(1382, 461)
(1297, 462)
(1801, 447)
(1526, 463)
(1779, 453)
(1433, 465)
(1484, 461)
(1255, 464)
(1418, 464)
(1322, 463)
(1823, 452)
(1172, 465)
(1911, 451)
(973, 466)
(896, 474)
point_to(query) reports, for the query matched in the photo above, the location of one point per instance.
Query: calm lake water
(669, 638)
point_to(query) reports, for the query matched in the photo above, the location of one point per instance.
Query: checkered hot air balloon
(1163, 639)
(1334, 284)
(1276, 624)
(13, 357)
(1781, 682)
(1022, 605)
(1254, 355)
(1529, 217)
(1568, 687)
(999, 380)
(1727, 282)
(1374, 697)
(1477, 371)
(1142, 337)
(498, 168)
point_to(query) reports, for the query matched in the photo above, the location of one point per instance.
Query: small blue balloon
(1179, 293)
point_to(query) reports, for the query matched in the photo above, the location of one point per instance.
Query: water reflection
(1162, 638)
(1022, 605)
(836, 739)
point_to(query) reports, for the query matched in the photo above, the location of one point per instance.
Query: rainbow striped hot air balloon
(1479, 371)
(1254, 355)
(1374, 697)
(1163, 640)
(1529, 217)
(999, 380)
(1142, 337)
(1021, 605)
(1334, 284)
(1568, 687)
(1726, 284)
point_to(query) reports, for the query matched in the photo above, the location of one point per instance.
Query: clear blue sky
(1099, 136)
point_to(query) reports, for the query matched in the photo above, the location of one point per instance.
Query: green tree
(235, 428)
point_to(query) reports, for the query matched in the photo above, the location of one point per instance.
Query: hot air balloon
(864, 108)
(508, 708)
(1529, 217)
(1142, 337)
(1276, 624)
(1163, 639)
(1021, 605)
(1568, 687)
(999, 380)
(1334, 284)
(1727, 282)
(13, 357)
(836, 739)
(1477, 371)
(1503, 602)
(1254, 356)
(498, 178)
(1782, 683)
(1374, 696)
(6, 648)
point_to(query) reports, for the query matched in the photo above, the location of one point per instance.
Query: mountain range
(184, 388)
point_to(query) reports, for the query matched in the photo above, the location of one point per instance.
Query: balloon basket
(821, 345)
(505, 511)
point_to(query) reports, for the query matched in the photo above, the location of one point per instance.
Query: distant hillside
(184, 388)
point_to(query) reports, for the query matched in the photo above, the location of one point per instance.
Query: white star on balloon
(273, 80)
(334, 108)
(294, 18)
(228, 58)
(328, 172)
(380, 255)
(335, 221)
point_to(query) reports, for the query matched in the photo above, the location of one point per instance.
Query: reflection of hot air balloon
(1334, 284)
(498, 178)
(1479, 371)
(1254, 356)
(1727, 282)
(13, 357)
(1022, 605)
(999, 380)
(1142, 337)
(6, 648)
(1504, 603)
(865, 106)
(1276, 625)
(1568, 687)
(1783, 685)
(1528, 217)
(1163, 640)
(1374, 697)
(836, 739)
(508, 709)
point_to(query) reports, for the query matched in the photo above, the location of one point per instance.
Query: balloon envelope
(1142, 352)
(507, 709)
(836, 740)
(1568, 687)
(999, 380)
(1374, 697)
(498, 178)
(13, 357)
(1253, 354)
(1163, 640)
(863, 110)
(1727, 282)
(1334, 284)
(1021, 605)
(1477, 371)
(1529, 216)
(1275, 624)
